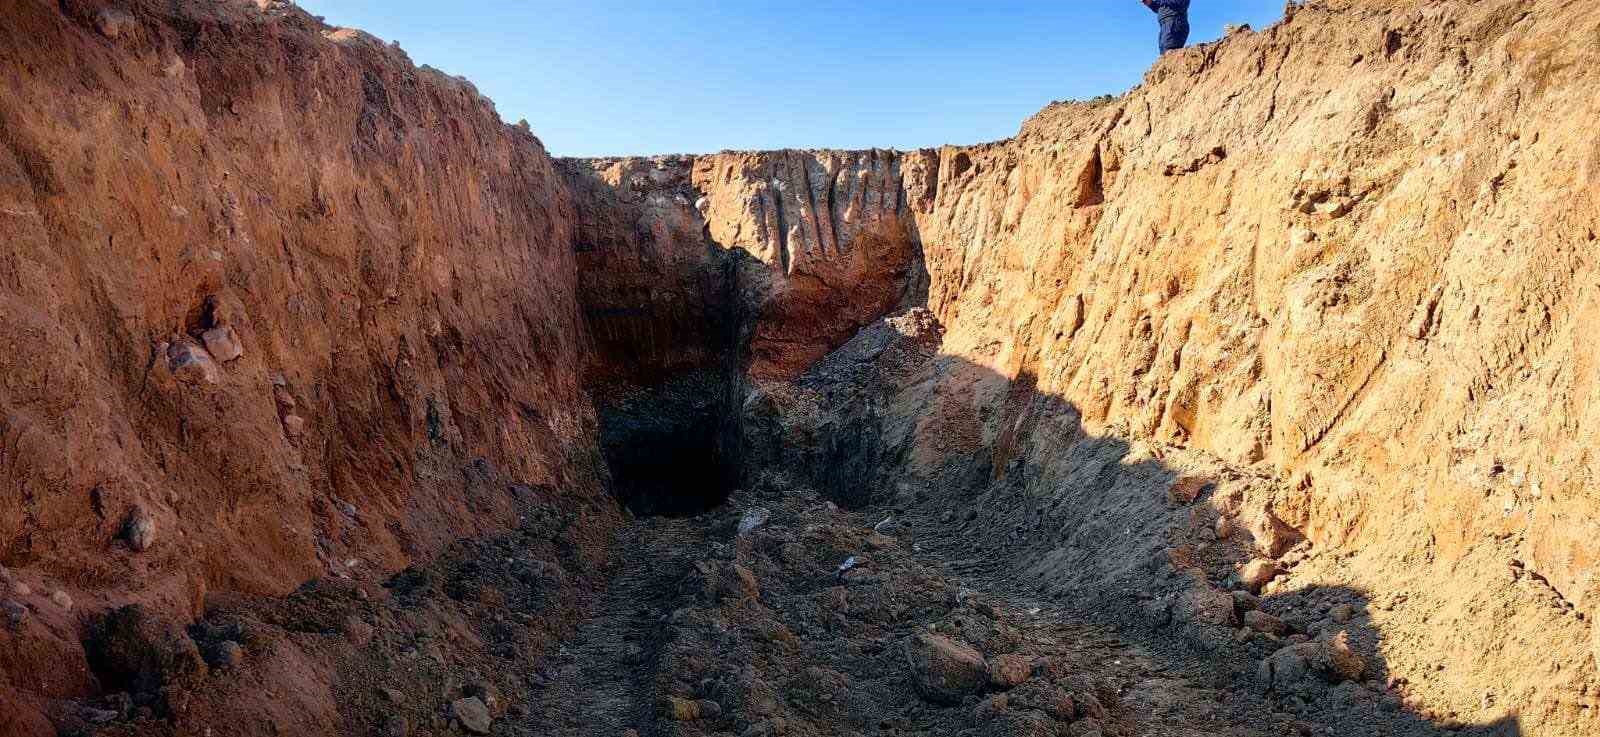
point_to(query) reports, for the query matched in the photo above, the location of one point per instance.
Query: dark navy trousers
(1174, 33)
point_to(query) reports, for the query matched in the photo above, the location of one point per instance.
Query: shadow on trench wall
(670, 427)
(1087, 522)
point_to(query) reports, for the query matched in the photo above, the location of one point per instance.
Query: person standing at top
(1174, 17)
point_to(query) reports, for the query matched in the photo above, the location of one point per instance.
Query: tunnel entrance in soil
(673, 451)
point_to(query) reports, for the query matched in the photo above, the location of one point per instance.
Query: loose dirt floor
(782, 614)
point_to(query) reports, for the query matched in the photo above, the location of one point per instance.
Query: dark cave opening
(673, 451)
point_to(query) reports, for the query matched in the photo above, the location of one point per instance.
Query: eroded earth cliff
(1254, 401)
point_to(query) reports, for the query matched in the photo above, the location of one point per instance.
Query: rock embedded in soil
(1010, 670)
(1187, 489)
(1265, 623)
(15, 613)
(294, 426)
(727, 581)
(1272, 535)
(191, 364)
(223, 344)
(473, 714)
(1256, 574)
(228, 654)
(140, 530)
(139, 651)
(944, 671)
(1203, 603)
(1307, 668)
(680, 710)
(486, 692)
(753, 519)
(113, 23)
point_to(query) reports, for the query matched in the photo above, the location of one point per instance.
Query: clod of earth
(473, 715)
(944, 671)
(135, 649)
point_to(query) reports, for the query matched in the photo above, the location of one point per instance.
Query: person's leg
(1174, 34)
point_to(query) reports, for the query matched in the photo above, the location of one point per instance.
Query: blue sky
(601, 77)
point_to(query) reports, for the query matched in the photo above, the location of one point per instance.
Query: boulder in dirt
(486, 692)
(294, 426)
(1258, 573)
(113, 23)
(1272, 535)
(1307, 667)
(190, 364)
(741, 583)
(680, 710)
(139, 530)
(1342, 659)
(878, 541)
(1042, 695)
(227, 654)
(753, 519)
(1085, 728)
(1187, 489)
(1089, 706)
(943, 671)
(1009, 671)
(223, 343)
(1265, 623)
(1202, 603)
(721, 581)
(134, 650)
(14, 613)
(1021, 723)
(473, 714)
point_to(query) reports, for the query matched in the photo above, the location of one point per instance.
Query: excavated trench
(1259, 412)
(674, 450)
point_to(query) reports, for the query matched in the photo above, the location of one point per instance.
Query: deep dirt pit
(1257, 400)
(672, 452)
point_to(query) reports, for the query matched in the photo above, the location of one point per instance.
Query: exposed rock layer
(1353, 249)
(392, 261)
(278, 305)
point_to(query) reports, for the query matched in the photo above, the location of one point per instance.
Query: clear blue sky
(600, 77)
